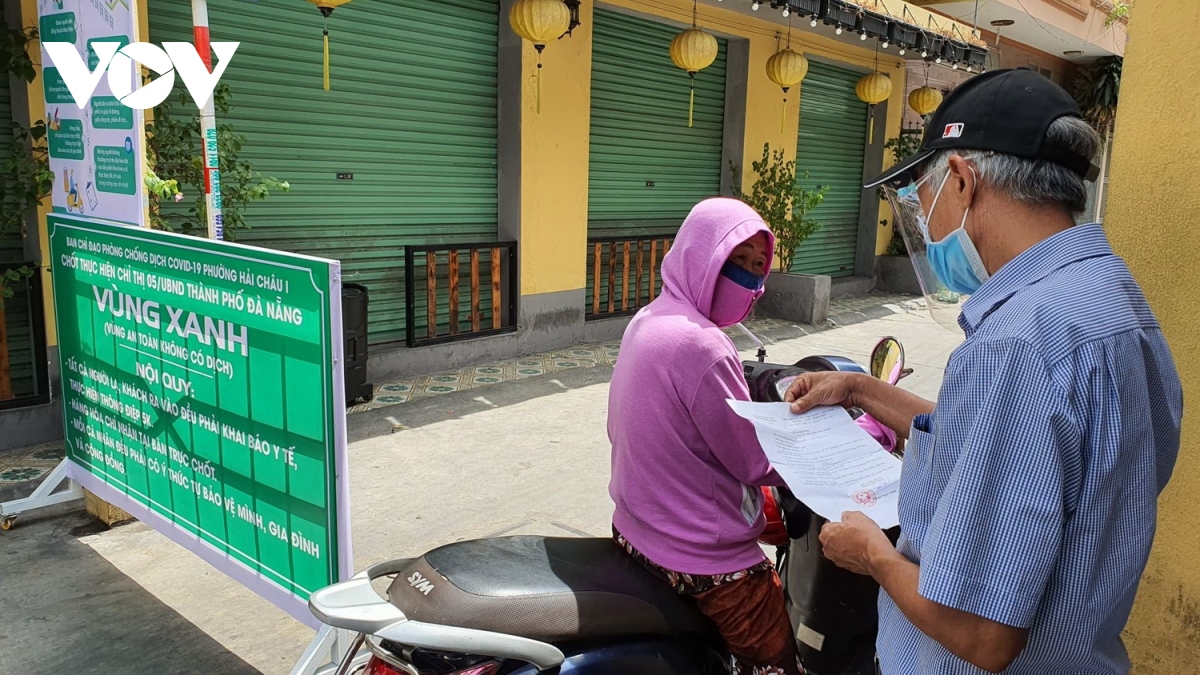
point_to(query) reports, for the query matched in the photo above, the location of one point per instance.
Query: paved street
(525, 456)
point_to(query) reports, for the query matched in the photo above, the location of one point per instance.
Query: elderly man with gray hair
(1029, 490)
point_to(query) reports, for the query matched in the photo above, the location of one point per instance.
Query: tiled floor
(871, 300)
(580, 356)
(26, 464)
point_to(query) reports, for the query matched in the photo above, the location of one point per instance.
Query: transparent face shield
(909, 219)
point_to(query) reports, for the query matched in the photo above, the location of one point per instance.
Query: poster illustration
(95, 152)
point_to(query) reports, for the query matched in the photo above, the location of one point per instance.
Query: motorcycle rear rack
(355, 606)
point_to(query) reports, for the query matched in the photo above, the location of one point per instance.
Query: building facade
(494, 201)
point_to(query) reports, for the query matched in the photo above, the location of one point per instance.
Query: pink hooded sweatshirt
(685, 468)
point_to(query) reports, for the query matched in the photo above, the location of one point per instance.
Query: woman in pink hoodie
(686, 470)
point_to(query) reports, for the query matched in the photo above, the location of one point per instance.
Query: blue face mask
(742, 276)
(954, 259)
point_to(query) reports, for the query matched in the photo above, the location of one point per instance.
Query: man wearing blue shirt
(1028, 496)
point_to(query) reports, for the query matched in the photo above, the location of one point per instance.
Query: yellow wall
(554, 162)
(555, 143)
(1156, 157)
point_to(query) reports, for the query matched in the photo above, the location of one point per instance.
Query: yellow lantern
(539, 21)
(327, 7)
(925, 100)
(786, 68)
(873, 89)
(693, 50)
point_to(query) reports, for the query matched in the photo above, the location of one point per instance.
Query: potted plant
(903, 35)
(841, 13)
(175, 156)
(894, 271)
(875, 23)
(978, 57)
(807, 7)
(932, 45)
(786, 207)
(1097, 90)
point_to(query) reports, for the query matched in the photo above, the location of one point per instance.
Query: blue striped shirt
(1029, 496)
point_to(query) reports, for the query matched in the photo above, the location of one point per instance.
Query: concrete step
(848, 286)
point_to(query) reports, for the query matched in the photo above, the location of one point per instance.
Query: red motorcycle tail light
(377, 666)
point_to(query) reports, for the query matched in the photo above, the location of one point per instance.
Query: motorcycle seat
(553, 589)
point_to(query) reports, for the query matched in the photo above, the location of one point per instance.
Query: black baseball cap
(1004, 111)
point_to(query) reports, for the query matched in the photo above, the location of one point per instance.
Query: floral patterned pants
(747, 608)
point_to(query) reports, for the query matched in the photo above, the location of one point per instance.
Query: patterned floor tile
(20, 474)
(445, 380)
(23, 464)
(579, 356)
(47, 454)
(16, 455)
(868, 301)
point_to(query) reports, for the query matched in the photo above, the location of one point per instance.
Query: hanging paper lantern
(693, 50)
(539, 21)
(786, 68)
(327, 7)
(874, 89)
(925, 100)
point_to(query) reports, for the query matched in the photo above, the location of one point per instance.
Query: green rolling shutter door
(411, 114)
(639, 132)
(833, 138)
(12, 249)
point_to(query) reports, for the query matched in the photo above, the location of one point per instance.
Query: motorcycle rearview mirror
(762, 350)
(887, 360)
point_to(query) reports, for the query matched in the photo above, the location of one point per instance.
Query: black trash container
(354, 332)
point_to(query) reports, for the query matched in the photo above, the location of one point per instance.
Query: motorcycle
(581, 606)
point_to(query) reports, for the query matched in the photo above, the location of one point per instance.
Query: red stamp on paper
(865, 498)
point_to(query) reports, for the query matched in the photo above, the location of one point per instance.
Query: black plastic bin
(354, 336)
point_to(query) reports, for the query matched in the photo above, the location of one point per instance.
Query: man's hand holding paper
(827, 460)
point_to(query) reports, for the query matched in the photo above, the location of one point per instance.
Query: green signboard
(203, 393)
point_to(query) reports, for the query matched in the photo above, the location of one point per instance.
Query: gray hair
(1036, 182)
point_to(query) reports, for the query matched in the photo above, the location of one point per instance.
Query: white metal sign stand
(326, 651)
(43, 496)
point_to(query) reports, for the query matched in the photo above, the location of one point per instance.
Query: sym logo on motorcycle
(580, 606)
(420, 583)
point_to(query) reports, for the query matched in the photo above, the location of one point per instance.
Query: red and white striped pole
(208, 127)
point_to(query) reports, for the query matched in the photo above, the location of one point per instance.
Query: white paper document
(829, 462)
